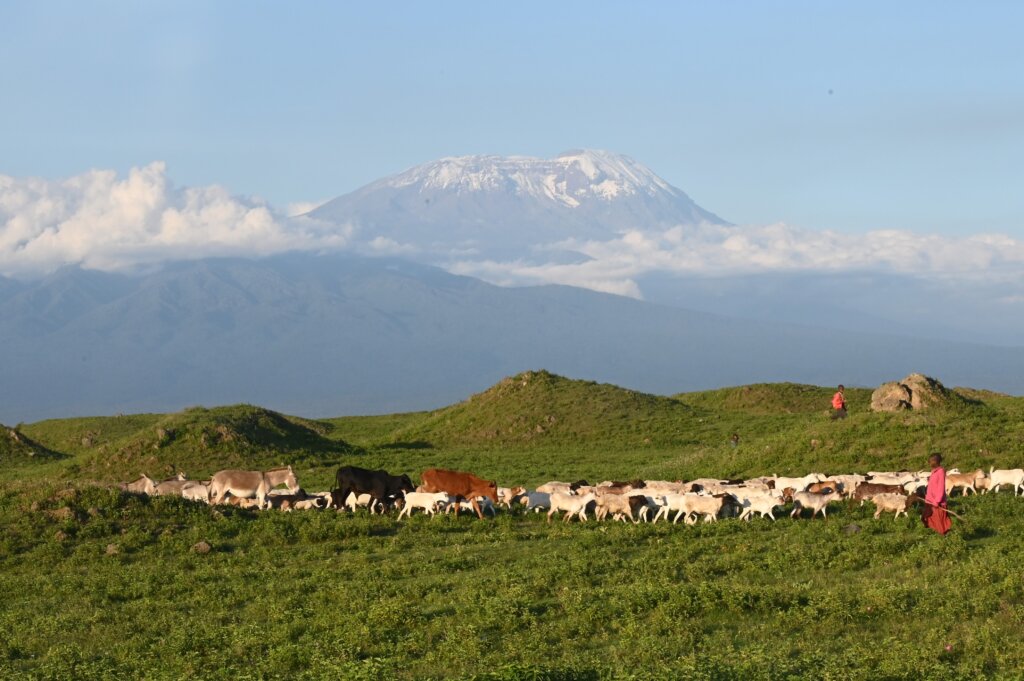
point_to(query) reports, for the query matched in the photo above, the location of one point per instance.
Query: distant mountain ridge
(504, 204)
(327, 335)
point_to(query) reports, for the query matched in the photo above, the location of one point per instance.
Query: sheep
(891, 501)
(1014, 477)
(571, 504)
(428, 501)
(815, 502)
(562, 487)
(964, 480)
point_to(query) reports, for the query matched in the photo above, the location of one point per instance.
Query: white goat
(572, 505)
(428, 501)
(815, 502)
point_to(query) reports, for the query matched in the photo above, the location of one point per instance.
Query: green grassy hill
(541, 408)
(198, 441)
(16, 448)
(326, 595)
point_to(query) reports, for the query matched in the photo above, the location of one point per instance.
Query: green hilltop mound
(17, 448)
(538, 407)
(196, 440)
(763, 399)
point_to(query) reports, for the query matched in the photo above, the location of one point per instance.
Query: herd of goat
(637, 500)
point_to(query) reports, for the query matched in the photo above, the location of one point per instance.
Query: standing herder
(839, 404)
(934, 514)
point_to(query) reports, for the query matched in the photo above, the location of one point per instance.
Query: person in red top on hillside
(934, 514)
(839, 404)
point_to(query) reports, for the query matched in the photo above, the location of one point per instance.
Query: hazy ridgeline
(100, 583)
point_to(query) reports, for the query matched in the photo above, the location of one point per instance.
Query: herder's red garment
(936, 518)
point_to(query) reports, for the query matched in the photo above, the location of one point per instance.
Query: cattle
(428, 501)
(460, 484)
(250, 484)
(1013, 477)
(816, 502)
(380, 485)
(572, 504)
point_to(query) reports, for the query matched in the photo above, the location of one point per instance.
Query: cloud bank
(101, 221)
(713, 250)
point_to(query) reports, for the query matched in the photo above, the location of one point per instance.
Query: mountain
(338, 334)
(505, 205)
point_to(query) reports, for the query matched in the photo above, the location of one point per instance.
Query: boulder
(915, 392)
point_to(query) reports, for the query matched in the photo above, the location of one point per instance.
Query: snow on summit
(568, 178)
(501, 206)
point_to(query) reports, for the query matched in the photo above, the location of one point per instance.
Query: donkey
(141, 485)
(249, 484)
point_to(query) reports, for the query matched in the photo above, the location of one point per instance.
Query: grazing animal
(251, 484)
(428, 501)
(462, 505)
(174, 486)
(380, 485)
(510, 495)
(196, 491)
(963, 480)
(572, 504)
(891, 501)
(763, 504)
(141, 485)
(354, 501)
(846, 484)
(690, 504)
(615, 504)
(798, 484)
(459, 484)
(820, 487)
(1014, 477)
(536, 501)
(867, 490)
(816, 502)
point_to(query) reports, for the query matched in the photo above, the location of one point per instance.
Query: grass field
(101, 584)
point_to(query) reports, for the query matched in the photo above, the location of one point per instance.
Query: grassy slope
(198, 441)
(330, 596)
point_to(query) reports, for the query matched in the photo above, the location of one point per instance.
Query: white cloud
(714, 250)
(102, 221)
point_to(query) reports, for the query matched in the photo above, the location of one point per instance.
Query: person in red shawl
(934, 514)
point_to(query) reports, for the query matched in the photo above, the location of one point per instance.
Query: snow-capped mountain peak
(507, 206)
(569, 179)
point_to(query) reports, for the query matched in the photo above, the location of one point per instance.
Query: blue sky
(850, 116)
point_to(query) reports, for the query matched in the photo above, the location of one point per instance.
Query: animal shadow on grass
(975, 533)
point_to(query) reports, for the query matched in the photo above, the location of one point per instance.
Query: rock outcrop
(915, 392)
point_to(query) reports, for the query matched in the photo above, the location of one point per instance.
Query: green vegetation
(102, 584)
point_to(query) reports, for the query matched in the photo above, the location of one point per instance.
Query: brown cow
(459, 484)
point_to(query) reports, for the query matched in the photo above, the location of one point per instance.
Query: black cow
(380, 485)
